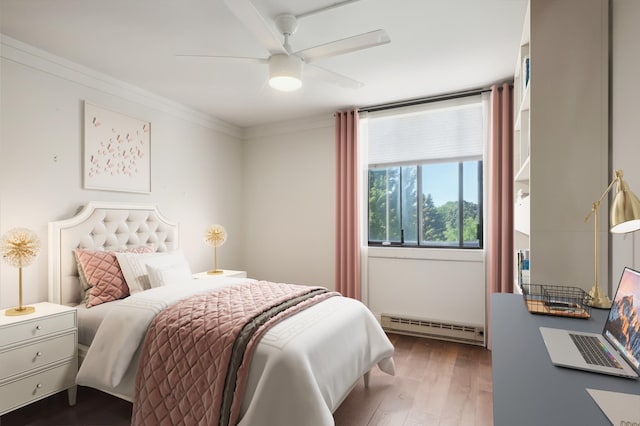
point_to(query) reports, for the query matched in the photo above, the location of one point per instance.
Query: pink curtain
(500, 226)
(347, 272)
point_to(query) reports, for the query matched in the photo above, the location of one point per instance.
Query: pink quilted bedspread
(196, 356)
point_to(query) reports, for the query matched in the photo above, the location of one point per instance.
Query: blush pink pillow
(102, 274)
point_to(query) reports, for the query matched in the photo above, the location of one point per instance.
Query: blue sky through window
(441, 181)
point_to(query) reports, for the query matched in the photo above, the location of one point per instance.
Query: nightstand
(38, 355)
(225, 273)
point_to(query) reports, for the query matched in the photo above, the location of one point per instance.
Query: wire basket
(557, 300)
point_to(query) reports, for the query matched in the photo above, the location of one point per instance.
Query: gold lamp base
(598, 299)
(215, 272)
(24, 310)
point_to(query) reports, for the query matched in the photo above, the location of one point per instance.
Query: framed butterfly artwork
(117, 151)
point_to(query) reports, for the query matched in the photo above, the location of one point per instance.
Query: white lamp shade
(285, 72)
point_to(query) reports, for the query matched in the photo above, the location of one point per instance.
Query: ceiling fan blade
(315, 71)
(208, 59)
(326, 8)
(247, 13)
(346, 45)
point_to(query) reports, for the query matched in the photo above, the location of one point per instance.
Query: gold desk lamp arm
(625, 217)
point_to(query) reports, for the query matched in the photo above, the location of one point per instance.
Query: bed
(300, 370)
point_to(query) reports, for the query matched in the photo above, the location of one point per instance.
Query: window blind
(443, 130)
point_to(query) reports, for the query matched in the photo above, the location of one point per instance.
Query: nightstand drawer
(24, 358)
(21, 392)
(37, 327)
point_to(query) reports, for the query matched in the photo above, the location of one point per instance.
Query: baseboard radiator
(471, 334)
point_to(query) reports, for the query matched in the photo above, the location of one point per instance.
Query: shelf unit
(522, 149)
(521, 102)
(560, 151)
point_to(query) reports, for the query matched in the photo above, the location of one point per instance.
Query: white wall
(625, 120)
(289, 219)
(289, 213)
(442, 285)
(196, 161)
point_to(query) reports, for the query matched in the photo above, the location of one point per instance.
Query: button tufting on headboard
(102, 226)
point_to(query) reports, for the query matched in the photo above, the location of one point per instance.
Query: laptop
(616, 351)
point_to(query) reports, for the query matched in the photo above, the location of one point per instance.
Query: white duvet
(301, 370)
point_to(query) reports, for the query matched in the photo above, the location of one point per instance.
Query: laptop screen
(622, 327)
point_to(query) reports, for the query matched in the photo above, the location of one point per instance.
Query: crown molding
(32, 57)
(287, 127)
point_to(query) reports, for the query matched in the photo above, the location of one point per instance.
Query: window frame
(460, 244)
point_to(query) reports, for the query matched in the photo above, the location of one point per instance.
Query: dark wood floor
(436, 383)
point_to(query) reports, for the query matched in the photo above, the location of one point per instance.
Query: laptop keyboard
(593, 352)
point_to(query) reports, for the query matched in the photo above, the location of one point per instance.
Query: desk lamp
(625, 217)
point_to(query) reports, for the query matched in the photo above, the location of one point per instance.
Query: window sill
(465, 255)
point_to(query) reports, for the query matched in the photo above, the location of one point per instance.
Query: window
(425, 175)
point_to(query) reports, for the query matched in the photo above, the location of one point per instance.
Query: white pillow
(134, 270)
(170, 270)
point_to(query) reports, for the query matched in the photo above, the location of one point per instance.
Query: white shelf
(522, 148)
(522, 175)
(524, 105)
(521, 215)
(524, 108)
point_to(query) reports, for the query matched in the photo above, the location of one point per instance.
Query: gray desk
(527, 388)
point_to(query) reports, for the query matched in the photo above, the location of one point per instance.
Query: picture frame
(117, 151)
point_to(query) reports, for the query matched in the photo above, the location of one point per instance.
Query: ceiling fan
(285, 65)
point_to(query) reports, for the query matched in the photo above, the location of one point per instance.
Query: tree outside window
(446, 196)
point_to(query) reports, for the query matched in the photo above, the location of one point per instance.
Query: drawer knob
(39, 385)
(38, 327)
(38, 353)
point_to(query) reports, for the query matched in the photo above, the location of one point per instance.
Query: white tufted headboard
(102, 226)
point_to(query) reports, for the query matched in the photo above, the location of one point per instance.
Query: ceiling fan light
(285, 72)
(285, 84)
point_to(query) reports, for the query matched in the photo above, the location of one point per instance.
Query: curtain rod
(418, 101)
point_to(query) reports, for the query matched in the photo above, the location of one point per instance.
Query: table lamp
(19, 247)
(625, 217)
(215, 236)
